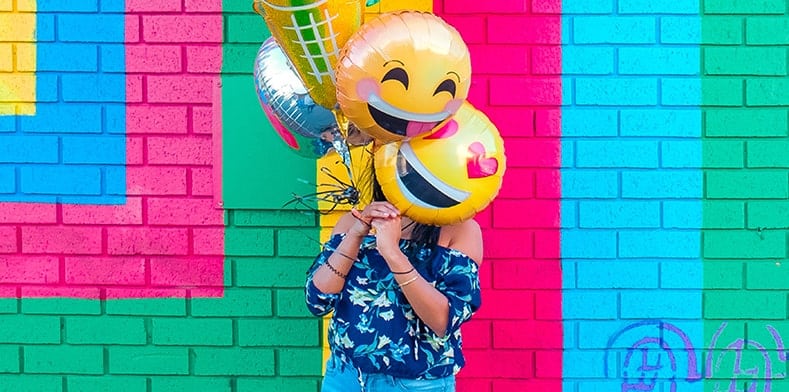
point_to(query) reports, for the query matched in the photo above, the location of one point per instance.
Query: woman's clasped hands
(385, 219)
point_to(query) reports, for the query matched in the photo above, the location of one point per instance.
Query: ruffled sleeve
(459, 282)
(320, 303)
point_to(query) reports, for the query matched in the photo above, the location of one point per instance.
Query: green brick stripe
(745, 93)
(259, 337)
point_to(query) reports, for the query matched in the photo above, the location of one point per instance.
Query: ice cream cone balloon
(311, 33)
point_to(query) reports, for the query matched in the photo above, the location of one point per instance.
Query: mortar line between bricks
(106, 360)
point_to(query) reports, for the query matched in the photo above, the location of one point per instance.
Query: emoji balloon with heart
(403, 74)
(445, 176)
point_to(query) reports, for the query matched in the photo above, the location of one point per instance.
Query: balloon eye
(448, 86)
(397, 74)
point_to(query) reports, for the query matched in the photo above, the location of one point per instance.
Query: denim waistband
(373, 382)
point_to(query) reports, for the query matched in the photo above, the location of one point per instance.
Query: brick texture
(517, 83)
(744, 246)
(646, 195)
(107, 217)
(631, 214)
(105, 171)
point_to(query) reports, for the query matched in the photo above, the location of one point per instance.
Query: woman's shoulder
(465, 237)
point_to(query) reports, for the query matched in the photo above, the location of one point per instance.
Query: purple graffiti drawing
(646, 368)
(750, 375)
(779, 344)
(651, 359)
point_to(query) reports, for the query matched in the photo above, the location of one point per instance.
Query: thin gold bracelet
(409, 281)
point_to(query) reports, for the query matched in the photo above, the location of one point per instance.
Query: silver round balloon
(282, 91)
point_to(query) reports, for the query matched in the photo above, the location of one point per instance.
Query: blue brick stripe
(631, 187)
(73, 150)
(7, 179)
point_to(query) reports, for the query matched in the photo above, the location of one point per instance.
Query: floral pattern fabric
(374, 327)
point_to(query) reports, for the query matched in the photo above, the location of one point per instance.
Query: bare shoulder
(344, 223)
(466, 237)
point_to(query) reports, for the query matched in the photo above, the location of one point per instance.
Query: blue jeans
(342, 377)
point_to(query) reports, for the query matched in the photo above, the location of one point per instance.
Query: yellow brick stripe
(328, 221)
(17, 57)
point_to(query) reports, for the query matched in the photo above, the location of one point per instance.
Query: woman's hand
(387, 236)
(375, 210)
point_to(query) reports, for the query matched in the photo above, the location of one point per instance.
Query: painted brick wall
(514, 342)
(64, 91)
(631, 190)
(746, 187)
(639, 241)
(674, 123)
(109, 236)
(124, 208)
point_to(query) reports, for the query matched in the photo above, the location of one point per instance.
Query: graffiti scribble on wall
(650, 353)
(655, 352)
(744, 364)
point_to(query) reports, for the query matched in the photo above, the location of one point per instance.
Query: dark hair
(421, 234)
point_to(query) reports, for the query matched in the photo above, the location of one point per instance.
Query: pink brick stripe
(167, 240)
(516, 57)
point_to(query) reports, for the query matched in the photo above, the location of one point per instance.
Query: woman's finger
(384, 204)
(379, 212)
(358, 215)
(390, 208)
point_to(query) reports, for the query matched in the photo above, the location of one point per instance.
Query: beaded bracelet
(338, 273)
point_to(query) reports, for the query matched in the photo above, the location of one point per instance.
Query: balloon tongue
(415, 128)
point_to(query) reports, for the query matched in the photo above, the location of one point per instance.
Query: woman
(399, 297)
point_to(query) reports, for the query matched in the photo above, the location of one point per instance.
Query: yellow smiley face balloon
(445, 176)
(402, 74)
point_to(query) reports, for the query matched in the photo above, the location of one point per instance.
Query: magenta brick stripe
(514, 342)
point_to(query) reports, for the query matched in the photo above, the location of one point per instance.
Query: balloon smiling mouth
(401, 122)
(422, 187)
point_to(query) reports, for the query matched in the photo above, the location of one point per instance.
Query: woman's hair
(422, 234)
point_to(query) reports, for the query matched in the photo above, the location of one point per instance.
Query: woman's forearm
(430, 305)
(329, 281)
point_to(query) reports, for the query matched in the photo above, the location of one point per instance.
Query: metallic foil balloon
(308, 147)
(445, 176)
(286, 94)
(312, 32)
(295, 116)
(403, 74)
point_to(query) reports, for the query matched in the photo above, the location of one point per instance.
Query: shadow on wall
(649, 353)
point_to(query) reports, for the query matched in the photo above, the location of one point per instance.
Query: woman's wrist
(395, 258)
(356, 234)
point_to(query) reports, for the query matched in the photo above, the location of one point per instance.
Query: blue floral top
(375, 329)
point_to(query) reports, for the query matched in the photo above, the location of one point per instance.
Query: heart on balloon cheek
(477, 165)
(448, 130)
